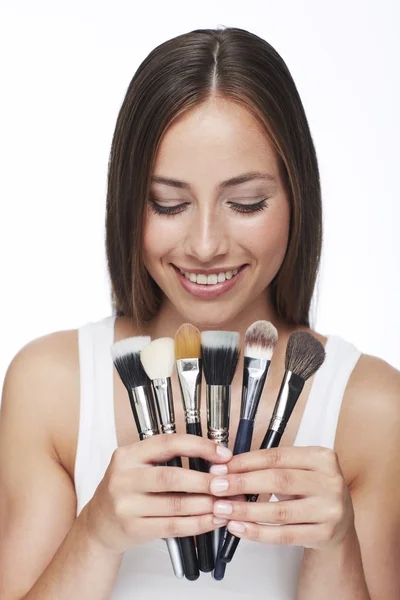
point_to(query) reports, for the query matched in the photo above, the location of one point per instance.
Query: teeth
(212, 279)
(204, 279)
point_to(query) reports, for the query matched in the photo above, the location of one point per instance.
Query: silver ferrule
(278, 419)
(165, 405)
(218, 411)
(189, 376)
(254, 374)
(143, 407)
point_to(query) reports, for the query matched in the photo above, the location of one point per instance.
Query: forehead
(215, 140)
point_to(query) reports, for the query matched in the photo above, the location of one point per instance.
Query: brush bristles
(220, 353)
(260, 341)
(304, 354)
(158, 358)
(126, 358)
(187, 342)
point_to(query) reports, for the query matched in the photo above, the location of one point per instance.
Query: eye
(249, 208)
(158, 209)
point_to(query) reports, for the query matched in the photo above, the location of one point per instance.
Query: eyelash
(239, 208)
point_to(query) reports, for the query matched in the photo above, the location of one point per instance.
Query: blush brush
(220, 354)
(304, 356)
(158, 360)
(189, 369)
(260, 341)
(126, 358)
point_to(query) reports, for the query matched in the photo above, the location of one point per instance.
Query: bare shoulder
(370, 415)
(47, 370)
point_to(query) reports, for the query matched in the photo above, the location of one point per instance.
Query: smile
(209, 285)
(204, 279)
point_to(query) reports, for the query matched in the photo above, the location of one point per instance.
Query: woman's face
(217, 222)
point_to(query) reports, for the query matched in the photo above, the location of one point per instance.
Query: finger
(172, 479)
(174, 526)
(161, 448)
(312, 458)
(281, 481)
(306, 510)
(168, 505)
(309, 536)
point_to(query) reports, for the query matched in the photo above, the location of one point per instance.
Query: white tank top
(258, 570)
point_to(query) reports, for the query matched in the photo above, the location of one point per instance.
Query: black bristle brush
(126, 358)
(304, 356)
(220, 353)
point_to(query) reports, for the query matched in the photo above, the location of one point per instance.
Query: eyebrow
(224, 184)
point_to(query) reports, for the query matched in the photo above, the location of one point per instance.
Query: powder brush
(220, 354)
(158, 359)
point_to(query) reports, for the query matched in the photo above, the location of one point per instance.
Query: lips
(211, 290)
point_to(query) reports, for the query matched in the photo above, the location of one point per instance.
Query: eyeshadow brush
(189, 370)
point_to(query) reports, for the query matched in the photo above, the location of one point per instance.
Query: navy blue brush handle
(244, 436)
(204, 541)
(243, 440)
(231, 542)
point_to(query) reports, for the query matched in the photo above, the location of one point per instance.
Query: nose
(207, 237)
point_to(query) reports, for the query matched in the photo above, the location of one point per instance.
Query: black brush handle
(243, 440)
(188, 547)
(231, 542)
(204, 541)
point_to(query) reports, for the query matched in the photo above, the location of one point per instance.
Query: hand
(135, 501)
(315, 508)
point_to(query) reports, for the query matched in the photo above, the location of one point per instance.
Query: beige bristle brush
(260, 341)
(188, 366)
(158, 359)
(304, 356)
(126, 358)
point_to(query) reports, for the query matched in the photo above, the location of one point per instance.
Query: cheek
(267, 238)
(160, 236)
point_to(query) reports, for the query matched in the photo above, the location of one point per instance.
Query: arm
(45, 552)
(370, 555)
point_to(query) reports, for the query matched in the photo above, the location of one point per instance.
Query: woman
(212, 173)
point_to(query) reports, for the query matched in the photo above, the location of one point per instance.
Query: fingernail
(218, 470)
(223, 508)
(217, 521)
(219, 485)
(236, 527)
(225, 452)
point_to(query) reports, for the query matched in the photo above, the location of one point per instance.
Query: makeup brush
(188, 366)
(158, 359)
(260, 341)
(126, 358)
(220, 353)
(304, 356)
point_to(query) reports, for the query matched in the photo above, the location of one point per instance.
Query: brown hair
(176, 76)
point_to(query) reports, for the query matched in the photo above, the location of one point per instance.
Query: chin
(212, 317)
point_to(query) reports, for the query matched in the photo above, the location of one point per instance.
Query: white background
(65, 70)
